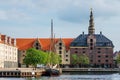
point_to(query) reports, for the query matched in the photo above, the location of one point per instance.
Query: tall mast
(52, 39)
(51, 28)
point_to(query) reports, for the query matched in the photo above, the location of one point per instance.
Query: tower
(91, 29)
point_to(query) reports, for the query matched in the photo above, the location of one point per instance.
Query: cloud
(14, 15)
(73, 11)
(101, 8)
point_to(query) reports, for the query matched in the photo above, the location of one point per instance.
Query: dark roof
(101, 41)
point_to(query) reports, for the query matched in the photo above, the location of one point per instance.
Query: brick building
(97, 47)
(61, 47)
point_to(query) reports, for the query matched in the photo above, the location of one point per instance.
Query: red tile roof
(26, 43)
(67, 42)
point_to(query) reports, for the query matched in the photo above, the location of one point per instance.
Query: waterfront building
(97, 47)
(8, 52)
(61, 47)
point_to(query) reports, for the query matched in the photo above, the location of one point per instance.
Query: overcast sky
(31, 18)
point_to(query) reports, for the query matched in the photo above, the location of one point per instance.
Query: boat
(51, 72)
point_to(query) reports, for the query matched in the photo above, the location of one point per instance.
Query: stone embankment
(90, 69)
(20, 72)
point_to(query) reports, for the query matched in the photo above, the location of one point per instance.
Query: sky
(32, 18)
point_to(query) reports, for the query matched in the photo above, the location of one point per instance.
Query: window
(60, 44)
(37, 44)
(91, 60)
(66, 59)
(91, 44)
(60, 52)
(37, 48)
(23, 55)
(60, 47)
(106, 56)
(91, 48)
(106, 60)
(99, 56)
(99, 61)
(66, 55)
(91, 40)
(83, 51)
(99, 52)
(99, 48)
(76, 51)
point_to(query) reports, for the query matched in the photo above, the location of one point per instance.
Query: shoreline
(90, 70)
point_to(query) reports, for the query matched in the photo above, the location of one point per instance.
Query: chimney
(14, 42)
(6, 39)
(0, 37)
(9, 40)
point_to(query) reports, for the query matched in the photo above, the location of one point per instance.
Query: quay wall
(20, 72)
(90, 69)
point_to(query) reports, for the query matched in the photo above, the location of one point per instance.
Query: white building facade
(8, 52)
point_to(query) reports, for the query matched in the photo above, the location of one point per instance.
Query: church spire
(91, 29)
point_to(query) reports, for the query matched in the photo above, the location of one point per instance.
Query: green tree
(34, 57)
(75, 59)
(53, 58)
(80, 59)
(84, 60)
(118, 59)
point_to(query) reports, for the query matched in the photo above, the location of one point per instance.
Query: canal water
(75, 76)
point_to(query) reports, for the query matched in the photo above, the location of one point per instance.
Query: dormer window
(60, 48)
(37, 48)
(60, 44)
(37, 44)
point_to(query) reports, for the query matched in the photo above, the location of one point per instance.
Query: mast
(52, 38)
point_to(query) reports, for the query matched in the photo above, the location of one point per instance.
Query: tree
(53, 59)
(118, 60)
(75, 59)
(80, 59)
(83, 59)
(34, 57)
